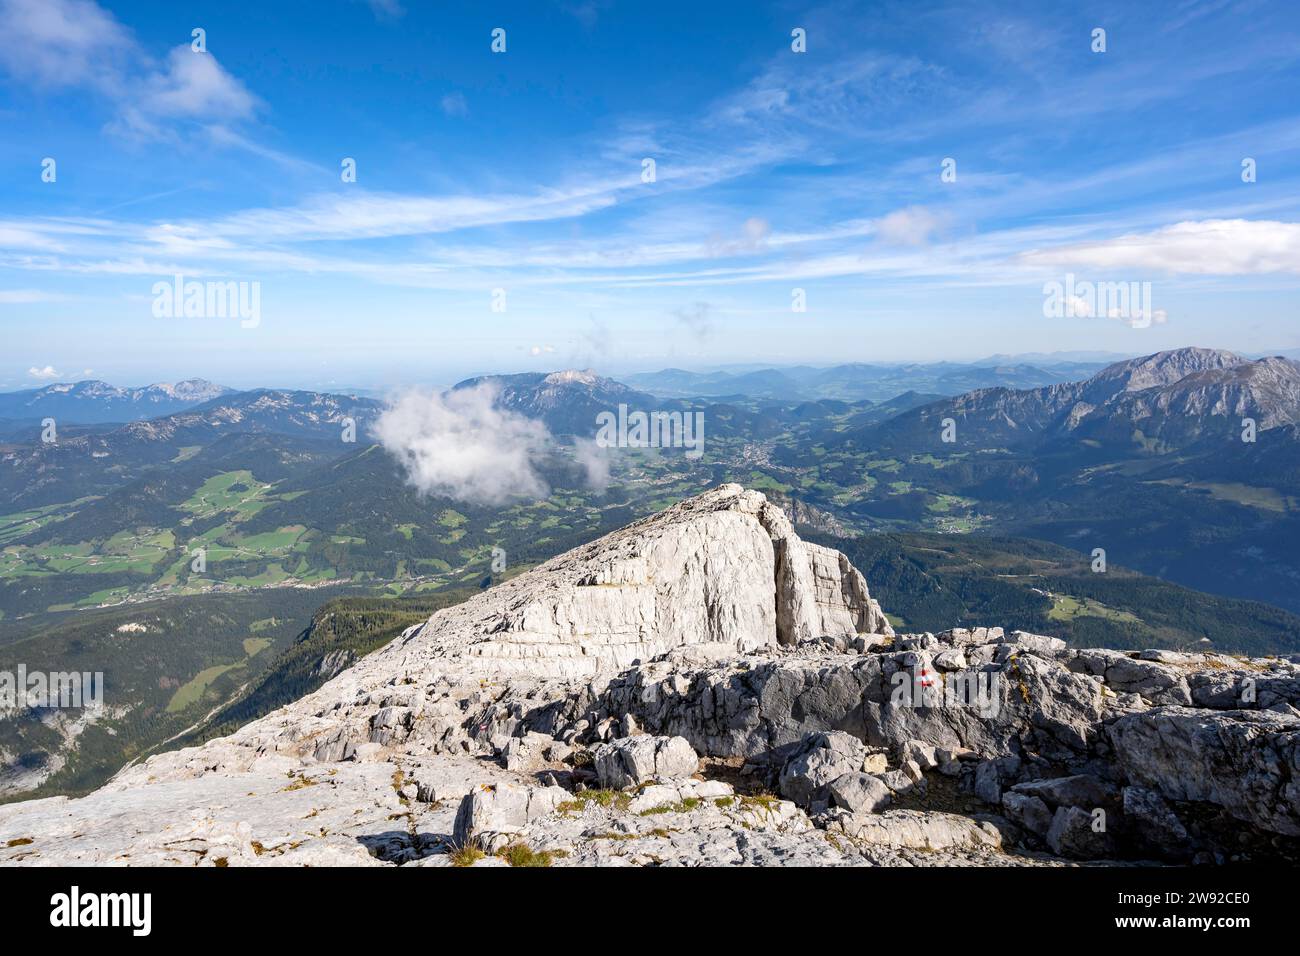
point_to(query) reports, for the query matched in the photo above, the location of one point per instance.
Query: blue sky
(522, 171)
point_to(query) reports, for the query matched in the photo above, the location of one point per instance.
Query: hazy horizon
(451, 377)
(895, 184)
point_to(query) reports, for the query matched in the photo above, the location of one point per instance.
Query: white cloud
(187, 86)
(459, 445)
(453, 104)
(912, 226)
(1077, 307)
(595, 462)
(754, 234)
(195, 84)
(76, 43)
(60, 43)
(44, 374)
(372, 215)
(18, 237)
(1207, 247)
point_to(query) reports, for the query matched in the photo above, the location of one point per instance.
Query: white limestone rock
(632, 760)
(917, 830)
(724, 568)
(490, 815)
(859, 793)
(819, 759)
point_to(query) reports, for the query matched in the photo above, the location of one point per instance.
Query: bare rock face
(724, 568)
(916, 831)
(490, 816)
(818, 592)
(820, 760)
(632, 760)
(1245, 761)
(765, 701)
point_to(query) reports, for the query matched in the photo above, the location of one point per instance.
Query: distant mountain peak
(195, 389)
(1164, 368)
(1168, 400)
(567, 401)
(573, 375)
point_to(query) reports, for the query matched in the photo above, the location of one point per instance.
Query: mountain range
(94, 402)
(858, 381)
(90, 461)
(1164, 400)
(1143, 459)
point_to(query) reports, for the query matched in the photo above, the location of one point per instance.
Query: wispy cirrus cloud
(782, 178)
(376, 215)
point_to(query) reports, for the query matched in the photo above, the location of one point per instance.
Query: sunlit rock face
(724, 568)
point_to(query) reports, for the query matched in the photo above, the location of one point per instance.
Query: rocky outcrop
(820, 760)
(818, 592)
(1247, 762)
(764, 701)
(704, 687)
(1086, 753)
(491, 816)
(910, 829)
(633, 760)
(724, 569)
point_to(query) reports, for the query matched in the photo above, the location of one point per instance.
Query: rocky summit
(703, 687)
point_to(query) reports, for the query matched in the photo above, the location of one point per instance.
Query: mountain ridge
(567, 401)
(856, 381)
(92, 401)
(1211, 383)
